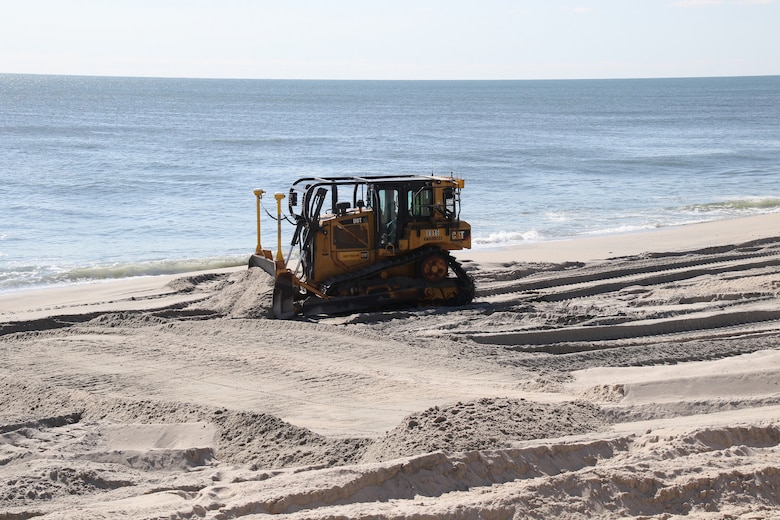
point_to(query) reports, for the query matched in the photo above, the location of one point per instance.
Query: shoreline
(140, 292)
(686, 237)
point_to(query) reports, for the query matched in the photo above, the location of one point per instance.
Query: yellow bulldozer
(383, 242)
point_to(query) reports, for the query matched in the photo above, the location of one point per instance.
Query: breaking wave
(502, 238)
(151, 268)
(25, 277)
(748, 205)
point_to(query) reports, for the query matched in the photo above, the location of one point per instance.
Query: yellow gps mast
(280, 266)
(259, 195)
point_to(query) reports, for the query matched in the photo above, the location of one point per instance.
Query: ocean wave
(508, 237)
(692, 214)
(31, 276)
(626, 228)
(741, 205)
(151, 268)
(17, 277)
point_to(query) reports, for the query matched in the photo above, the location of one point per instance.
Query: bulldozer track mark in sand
(666, 273)
(659, 278)
(736, 300)
(172, 312)
(560, 293)
(626, 330)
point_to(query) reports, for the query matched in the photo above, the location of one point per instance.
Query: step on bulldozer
(383, 242)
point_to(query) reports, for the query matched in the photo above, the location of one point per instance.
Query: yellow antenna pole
(279, 257)
(259, 195)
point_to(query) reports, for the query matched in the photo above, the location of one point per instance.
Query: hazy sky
(391, 39)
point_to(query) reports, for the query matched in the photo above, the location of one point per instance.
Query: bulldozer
(384, 241)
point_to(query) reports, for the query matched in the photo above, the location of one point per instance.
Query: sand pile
(485, 424)
(247, 293)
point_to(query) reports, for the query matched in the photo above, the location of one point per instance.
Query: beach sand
(627, 376)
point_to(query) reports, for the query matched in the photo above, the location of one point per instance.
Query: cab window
(420, 203)
(388, 216)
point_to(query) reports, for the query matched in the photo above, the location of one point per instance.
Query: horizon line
(218, 78)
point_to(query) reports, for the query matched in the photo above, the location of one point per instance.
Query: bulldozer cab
(371, 218)
(410, 204)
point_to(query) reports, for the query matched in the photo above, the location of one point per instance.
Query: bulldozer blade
(266, 264)
(284, 296)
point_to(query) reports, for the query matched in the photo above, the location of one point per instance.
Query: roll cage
(395, 200)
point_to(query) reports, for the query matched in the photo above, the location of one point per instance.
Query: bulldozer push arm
(384, 242)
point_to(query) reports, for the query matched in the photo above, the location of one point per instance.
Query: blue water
(113, 177)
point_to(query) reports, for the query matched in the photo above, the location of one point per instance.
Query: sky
(398, 39)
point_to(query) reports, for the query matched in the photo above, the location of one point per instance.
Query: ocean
(106, 177)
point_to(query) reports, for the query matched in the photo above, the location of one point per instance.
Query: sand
(628, 376)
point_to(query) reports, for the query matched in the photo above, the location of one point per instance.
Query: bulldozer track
(625, 301)
(465, 284)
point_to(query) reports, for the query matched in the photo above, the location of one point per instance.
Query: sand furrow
(700, 322)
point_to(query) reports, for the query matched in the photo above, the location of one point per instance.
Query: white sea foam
(508, 238)
(745, 205)
(22, 277)
(151, 268)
